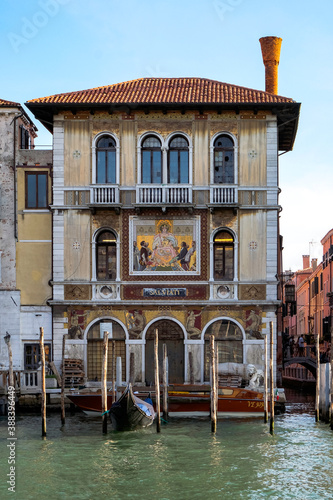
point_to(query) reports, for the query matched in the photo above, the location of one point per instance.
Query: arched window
(223, 160)
(151, 161)
(106, 160)
(178, 161)
(106, 256)
(229, 340)
(223, 256)
(95, 349)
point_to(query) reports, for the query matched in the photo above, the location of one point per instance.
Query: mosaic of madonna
(164, 246)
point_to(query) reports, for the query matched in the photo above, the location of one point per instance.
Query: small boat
(89, 402)
(186, 400)
(194, 401)
(131, 412)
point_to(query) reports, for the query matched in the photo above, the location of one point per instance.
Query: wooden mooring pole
(165, 382)
(213, 384)
(42, 358)
(190, 364)
(11, 382)
(62, 398)
(216, 379)
(113, 371)
(132, 368)
(266, 383)
(104, 383)
(317, 378)
(272, 378)
(157, 385)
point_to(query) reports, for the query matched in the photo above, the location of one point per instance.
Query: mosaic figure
(135, 322)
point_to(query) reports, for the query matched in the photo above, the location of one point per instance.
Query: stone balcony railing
(104, 194)
(223, 195)
(171, 194)
(153, 195)
(25, 381)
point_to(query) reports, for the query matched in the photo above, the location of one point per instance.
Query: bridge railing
(308, 351)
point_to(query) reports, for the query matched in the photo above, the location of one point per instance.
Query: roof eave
(287, 112)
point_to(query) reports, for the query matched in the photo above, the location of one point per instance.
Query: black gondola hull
(126, 413)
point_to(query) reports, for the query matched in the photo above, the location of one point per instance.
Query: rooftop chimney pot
(314, 264)
(306, 261)
(270, 49)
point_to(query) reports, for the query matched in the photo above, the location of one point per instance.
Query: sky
(53, 46)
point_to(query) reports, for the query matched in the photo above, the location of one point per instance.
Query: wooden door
(171, 334)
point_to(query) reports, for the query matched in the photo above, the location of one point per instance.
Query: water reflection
(185, 461)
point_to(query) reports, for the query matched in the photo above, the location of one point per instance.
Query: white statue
(252, 375)
(255, 377)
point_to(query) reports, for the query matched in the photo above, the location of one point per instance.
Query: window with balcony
(106, 256)
(223, 160)
(106, 160)
(36, 187)
(178, 161)
(223, 256)
(151, 150)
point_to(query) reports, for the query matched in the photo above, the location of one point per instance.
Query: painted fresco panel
(201, 153)
(252, 153)
(164, 246)
(77, 245)
(77, 153)
(128, 152)
(252, 248)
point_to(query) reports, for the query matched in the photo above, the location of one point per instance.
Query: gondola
(131, 412)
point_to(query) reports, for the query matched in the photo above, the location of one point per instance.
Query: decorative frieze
(252, 292)
(77, 292)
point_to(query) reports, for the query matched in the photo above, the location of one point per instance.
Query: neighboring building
(25, 238)
(165, 216)
(327, 283)
(307, 311)
(304, 311)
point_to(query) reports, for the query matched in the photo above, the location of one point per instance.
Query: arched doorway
(229, 339)
(95, 349)
(171, 334)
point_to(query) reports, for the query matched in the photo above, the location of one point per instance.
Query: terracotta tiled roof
(165, 91)
(5, 104)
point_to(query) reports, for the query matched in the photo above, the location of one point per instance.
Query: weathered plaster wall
(7, 195)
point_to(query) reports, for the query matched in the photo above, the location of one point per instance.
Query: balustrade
(223, 195)
(157, 195)
(104, 194)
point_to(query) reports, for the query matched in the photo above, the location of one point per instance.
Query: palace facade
(165, 215)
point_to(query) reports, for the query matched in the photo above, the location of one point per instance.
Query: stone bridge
(307, 359)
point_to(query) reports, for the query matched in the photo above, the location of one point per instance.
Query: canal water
(185, 461)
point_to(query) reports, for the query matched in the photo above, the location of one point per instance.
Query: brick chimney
(306, 261)
(270, 48)
(314, 264)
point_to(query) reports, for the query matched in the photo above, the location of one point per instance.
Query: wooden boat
(128, 413)
(89, 402)
(131, 412)
(193, 401)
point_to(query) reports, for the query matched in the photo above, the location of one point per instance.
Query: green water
(184, 461)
